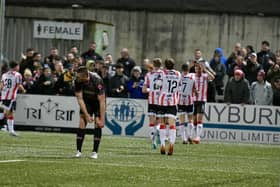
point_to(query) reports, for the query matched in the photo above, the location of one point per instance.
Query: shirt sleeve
(100, 87)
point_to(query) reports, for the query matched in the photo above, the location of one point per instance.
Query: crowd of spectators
(244, 77)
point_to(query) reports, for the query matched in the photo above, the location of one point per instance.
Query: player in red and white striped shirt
(168, 101)
(11, 81)
(152, 85)
(185, 105)
(202, 76)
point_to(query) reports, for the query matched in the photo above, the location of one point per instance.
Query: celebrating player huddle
(172, 93)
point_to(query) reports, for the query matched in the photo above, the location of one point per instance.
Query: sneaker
(78, 154)
(196, 140)
(185, 142)
(13, 133)
(170, 149)
(94, 155)
(190, 141)
(162, 150)
(4, 128)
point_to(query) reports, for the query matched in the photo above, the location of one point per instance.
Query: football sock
(96, 139)
(152, 132)
(183, 131)
(162, 134)
(199, 129)
(80, 139)
(172, 134)
(10, 123)
(190, 130)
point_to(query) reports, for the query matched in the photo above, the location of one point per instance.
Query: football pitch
(46, 159)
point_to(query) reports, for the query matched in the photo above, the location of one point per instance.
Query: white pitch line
(9, 161)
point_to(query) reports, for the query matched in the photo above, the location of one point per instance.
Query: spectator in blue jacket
(135, 84)
(223, 59)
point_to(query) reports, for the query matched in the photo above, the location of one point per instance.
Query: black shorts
(167, 111)
(153, 109)
(9, 105)
(92, 109)
(186, 109)
(199, 107)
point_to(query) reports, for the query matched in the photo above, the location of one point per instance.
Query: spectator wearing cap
(127, 62)
(118, 83)
(252, 68)
(46, 82)
(135, 84)
(261, 91)
(266, 57)
(276, 92)
(237, 89)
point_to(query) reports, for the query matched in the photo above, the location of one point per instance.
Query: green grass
(123, 161)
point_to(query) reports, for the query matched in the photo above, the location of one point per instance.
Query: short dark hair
(169, 63)
(13, 64)
(157, 62)
(82, 70)
(119, 65)
(29, 49)
(185, 67)
(265, 43)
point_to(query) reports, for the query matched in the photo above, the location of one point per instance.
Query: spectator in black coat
(50, 60)
(118, 83)
(46, 82)
(276, 92)
(91, 54)
(237, 89)
(27, 60)
(266, 56)
(28, 82)
(127, 62)
(239, 63)
(65, 83)
(252, 68)
(220, 71)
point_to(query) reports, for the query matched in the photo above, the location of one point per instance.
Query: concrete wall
(149, 34)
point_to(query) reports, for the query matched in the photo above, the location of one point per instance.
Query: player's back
(10, 81)
(201, 84)
(170, 88)
(186, 90)
(153, 80)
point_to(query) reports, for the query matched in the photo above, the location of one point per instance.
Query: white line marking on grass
(8, 161)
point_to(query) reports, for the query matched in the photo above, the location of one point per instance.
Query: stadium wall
(127, 117)
(146, 33)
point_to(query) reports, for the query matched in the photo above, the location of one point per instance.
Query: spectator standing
(237, 89)
(127, 62)
(266, 57)
(65, 83)
(135, 84)
(252, 68)
(46, 82)
(273, 73)
(219, 52)
(27, 60)
(105, 75)
(28, 82)
(75, 51)
(261, 90)
(69, 59)
(239, 63)
(236, 51)
(111, 64)
(220, 71)
(276, 92)
(91, 54)
(118, 83)
(50, 60)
